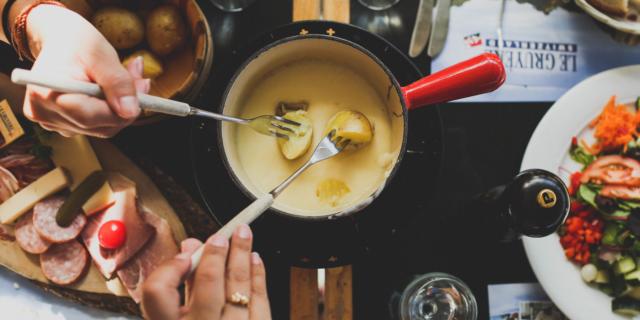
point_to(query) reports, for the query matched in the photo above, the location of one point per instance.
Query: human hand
(65, 44)
(222, 272)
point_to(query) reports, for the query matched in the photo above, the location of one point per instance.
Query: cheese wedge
(116, 287)
(21, 202)
(76, 155)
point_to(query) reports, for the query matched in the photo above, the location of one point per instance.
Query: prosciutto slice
(139, 232)
(8, 184)
(161, 248)
(15, 160)
(613, 170)
(621, 192)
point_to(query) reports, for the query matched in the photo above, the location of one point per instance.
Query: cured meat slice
(613, 169)
(15, 160)
(27, 236)
(124, 209)
(159, 249)
(9, 184)
(64, 263)
(28, 172)
(621, 192)
(44, 221)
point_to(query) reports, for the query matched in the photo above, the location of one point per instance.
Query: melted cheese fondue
(328, 88)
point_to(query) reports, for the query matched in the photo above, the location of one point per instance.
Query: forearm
(3, 37)
(14, 11)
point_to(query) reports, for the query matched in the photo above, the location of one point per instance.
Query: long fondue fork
(328, 147)
(265, 124)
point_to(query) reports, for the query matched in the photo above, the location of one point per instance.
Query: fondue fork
(328, 147)
(265, 124)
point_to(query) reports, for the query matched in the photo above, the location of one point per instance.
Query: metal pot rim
(362, 204)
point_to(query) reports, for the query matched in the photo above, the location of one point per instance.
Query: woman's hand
(65, 44)
(222, 273)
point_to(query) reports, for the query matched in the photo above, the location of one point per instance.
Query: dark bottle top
(534, 204)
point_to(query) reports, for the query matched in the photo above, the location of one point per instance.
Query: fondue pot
(478, 75)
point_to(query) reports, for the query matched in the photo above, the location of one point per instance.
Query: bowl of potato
(172, 36)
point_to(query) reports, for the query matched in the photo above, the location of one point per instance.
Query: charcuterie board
(92, 289)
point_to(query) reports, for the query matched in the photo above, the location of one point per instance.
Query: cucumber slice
(624, 265)
(634, 275)
(626, 306)
(634, 293)
(610, 234)
(602, 277)
(634, 283)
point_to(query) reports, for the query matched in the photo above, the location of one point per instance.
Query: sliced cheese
(21, 202)
(116, 287)
(102, 199)
(76, 155)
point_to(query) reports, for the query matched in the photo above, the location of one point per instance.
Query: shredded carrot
(615, 126)
(591, 149)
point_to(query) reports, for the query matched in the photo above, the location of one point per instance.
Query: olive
(634, 221)
(633, 153)
(605, 204)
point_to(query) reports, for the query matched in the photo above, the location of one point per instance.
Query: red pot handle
(480, 74)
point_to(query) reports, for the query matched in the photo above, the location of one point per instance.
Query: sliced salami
(27, 236)
(44, 221)
(64, 263)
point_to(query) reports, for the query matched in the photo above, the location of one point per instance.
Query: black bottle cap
(538, 202)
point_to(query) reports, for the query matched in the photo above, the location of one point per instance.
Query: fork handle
(250, 213)
(66, 85)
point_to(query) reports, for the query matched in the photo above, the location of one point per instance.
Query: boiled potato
(122, 28)
(82, 7)
(351, 125)
(152, 66)
(300, 140)
(166, 30)
(331, 191)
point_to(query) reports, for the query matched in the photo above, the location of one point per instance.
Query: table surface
(484, 145)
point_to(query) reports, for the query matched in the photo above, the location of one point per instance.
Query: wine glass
(232, 5)
(378, 4)
(438, 296)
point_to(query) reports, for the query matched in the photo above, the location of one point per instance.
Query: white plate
(621, 24)
(547, 150)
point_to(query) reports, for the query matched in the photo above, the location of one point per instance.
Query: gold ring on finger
(239, 299)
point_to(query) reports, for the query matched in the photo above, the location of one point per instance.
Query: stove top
(340, 241)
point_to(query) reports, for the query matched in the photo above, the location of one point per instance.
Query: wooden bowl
(186, 70)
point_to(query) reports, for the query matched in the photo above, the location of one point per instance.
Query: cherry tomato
(112, 234)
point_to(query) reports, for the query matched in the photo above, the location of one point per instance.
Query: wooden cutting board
(91, 289)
